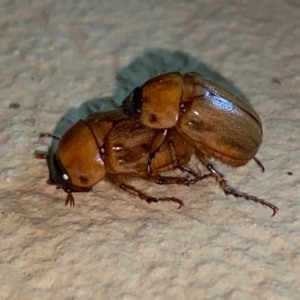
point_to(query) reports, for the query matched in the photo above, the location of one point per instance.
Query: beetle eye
(57, 173)
(132, 104)
(206, 93)
(65, 177)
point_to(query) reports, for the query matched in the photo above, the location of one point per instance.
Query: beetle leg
(155, 146)
(120, 182)
(177, 165)
(229, 191)
(159, 179)
(164, 180)
(46, 134)
(261, 166)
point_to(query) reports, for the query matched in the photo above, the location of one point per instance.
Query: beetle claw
(264, 203)
(275, 210)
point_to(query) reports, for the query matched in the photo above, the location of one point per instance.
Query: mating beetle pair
(181, 115)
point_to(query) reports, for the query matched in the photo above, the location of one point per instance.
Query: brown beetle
(114, 146)
(216, 122)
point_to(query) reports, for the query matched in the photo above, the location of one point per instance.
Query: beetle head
(133, 103)
(77, 164)
(59, 178)
(78, 155)
(156, 103)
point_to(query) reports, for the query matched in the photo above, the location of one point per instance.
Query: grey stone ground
(60, 60)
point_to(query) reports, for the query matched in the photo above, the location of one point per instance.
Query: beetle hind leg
(230, 191)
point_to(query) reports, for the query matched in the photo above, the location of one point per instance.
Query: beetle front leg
(229, 191)
(177, 165)
(157, 142)
(159, 179)
(119, 181)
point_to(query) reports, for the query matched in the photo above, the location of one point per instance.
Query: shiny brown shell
(113, 145)
(216, 122)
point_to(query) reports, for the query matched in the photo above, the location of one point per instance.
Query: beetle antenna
(40, 154)
(46, 134)
(70, 200)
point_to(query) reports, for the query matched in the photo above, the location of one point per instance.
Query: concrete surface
(61, 60)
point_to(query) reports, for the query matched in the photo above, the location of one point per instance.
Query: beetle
(216, 122)
(113, 146)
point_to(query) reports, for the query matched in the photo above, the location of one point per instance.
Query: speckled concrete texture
(61, 60)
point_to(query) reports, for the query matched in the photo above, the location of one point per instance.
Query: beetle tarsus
(173, 180)
(165, 199)
(164, 180)
(247, 197)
